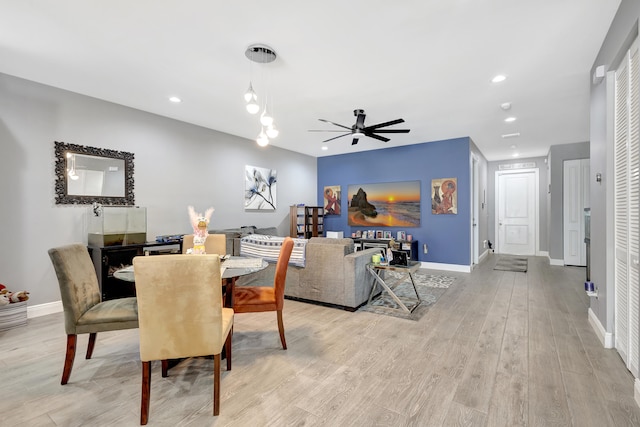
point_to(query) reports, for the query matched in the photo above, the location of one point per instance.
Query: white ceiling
(427, 61)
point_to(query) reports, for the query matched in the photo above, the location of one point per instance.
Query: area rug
(512, 264)
(430, 287)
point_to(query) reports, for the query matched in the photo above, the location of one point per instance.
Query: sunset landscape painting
(389, 204)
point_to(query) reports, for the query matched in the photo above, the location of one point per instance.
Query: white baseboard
(559, 262)
(446, 267)
(606, 338)
(543, 253)
(483, 255)
(44, 309)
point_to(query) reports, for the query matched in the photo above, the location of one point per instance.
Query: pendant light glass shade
(272, 132)
(252, 106)
(250, 93)
(265, 118)
(262, 139)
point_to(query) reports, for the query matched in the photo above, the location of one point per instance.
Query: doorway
(517, 212)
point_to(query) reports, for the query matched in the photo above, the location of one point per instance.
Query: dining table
(231, 268)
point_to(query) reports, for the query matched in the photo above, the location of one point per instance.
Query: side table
(376, 271)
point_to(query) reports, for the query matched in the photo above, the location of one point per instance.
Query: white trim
(483, 255)
(556, 261)
(446, 267)
(44, 309)
(544, 253)
(606, 338)
(636, 391)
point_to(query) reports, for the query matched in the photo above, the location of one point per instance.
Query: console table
(410, 247)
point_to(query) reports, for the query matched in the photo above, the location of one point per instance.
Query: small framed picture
(378, 234)
(371, 234)
(401, 235)
(358, 233)
(387, 235)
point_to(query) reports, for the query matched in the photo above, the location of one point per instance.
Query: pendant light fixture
(261, 54)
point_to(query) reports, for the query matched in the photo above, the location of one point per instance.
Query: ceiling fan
(359, 130)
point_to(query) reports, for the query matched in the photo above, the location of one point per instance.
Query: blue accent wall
(447, 236)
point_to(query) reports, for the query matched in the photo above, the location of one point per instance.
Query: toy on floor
(7, 297)
(200, 224)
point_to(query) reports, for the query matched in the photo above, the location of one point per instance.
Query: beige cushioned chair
(84, 313)
(215, 244)
(181, 315)
(252, 299)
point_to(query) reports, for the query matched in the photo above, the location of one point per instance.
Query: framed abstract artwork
(444, 196)
(260, 188)
(332, 199)
(390, 204)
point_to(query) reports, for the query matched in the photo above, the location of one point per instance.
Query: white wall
(176, 165)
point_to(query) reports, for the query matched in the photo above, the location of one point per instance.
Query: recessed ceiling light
(175, 99)
(510, 119)
(511, 135)
(325, 148)
(499, 78)
(505, 106)
(513, 146)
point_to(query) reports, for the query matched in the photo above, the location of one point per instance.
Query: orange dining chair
(252, 299)
(181, 315)
(84, 312)
(215, 244)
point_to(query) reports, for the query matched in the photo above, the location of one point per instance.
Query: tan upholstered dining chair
(215, 244)
(84, 312)
(181, 315)
(252, 299)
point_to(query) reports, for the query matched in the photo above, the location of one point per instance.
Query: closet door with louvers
(627, 210)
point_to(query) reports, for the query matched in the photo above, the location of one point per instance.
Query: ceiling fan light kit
(359, 130)
(261, 54)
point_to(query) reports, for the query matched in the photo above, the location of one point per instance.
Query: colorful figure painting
(260, 188)
(332, 198)
(444, 196)
(390, 204)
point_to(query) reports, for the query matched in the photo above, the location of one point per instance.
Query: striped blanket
(268, 248)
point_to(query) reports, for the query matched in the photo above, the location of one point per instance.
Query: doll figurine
(200, 224)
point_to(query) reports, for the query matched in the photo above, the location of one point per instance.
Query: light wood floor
(498, 349)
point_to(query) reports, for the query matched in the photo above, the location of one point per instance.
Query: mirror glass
(85, 175)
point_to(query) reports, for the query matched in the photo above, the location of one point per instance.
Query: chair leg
(216, 384)
(165, 368)
(227, 349)
(92, 344)
(146, 393)
(281, 330)
(69, 357)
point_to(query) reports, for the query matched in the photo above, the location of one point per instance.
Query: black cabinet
(108, 259)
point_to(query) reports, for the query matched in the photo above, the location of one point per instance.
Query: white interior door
(517, 207)
(576, 179)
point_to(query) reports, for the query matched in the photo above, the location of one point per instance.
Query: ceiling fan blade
(373, 135)
(336, 124)
(336, 137)
(355, 141)
(381, 125)
(391, 130)
(325, 130)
